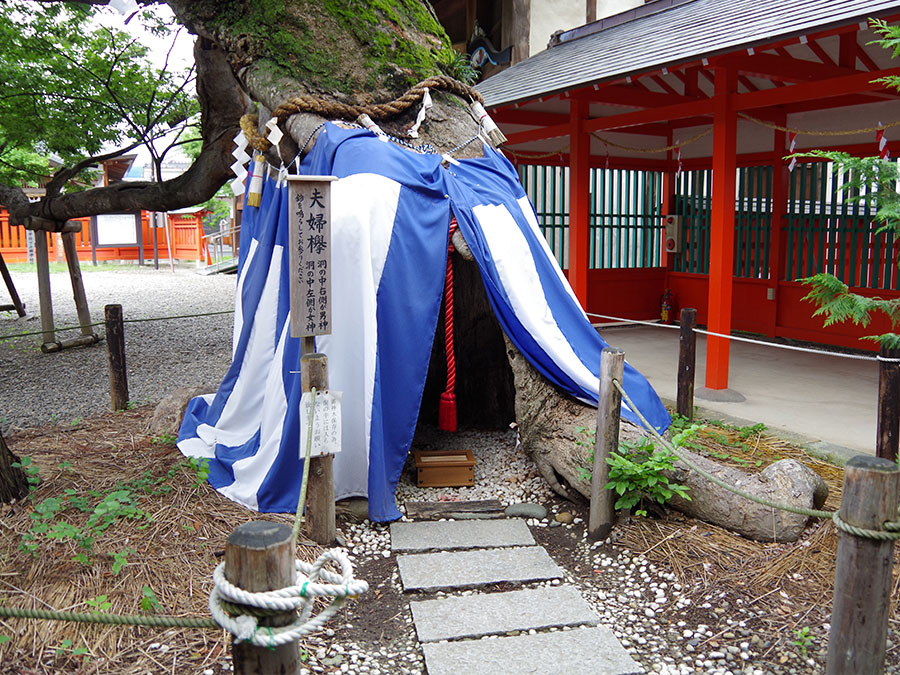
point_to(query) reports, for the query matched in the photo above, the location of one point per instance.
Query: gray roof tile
(678, 34)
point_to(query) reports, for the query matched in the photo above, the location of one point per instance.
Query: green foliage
(66, 646)
(456, 65)
(890, 39)
(31, 471)
(61, 519)
(4, 639)
(871, 181)
(164, 439)
(803, 640)
(149, 603)
(120, 559)
(638, 477)
(71, 87)
(99, 604)
(637, 474)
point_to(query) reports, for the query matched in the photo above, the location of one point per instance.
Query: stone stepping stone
(496, 613)
(456, 534)
(464, 569)
(580, 651)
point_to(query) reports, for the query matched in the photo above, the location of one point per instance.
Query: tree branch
(222, 103)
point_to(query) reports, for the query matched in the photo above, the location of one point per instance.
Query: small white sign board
(309, 211)
(326, 438)
(117, 228)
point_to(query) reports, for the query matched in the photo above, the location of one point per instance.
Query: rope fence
(101, 323)
(739, 338)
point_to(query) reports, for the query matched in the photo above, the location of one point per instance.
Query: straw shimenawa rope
(346, 111)
(813, 132)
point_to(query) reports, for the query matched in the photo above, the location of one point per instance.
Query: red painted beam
(822, 55)
(554, 131)
(783, 69)
(638, 97)
(811, 91)
(721, 242)
(670, 112)
(534, 118)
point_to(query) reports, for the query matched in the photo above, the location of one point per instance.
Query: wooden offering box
(444, 468)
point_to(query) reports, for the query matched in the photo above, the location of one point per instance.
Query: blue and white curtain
(391, 210)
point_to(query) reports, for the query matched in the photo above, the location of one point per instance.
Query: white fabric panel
(363, 208)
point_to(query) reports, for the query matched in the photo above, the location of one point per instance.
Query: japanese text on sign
(310, 256)
(326, 438)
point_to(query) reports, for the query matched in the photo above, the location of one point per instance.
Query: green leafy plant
(120, 559)
(456, 65)
(4, 639)
(803, 640)
(66, 646)
(149, 603)
(637, 476)
(636, 472)
(99, 604)
(164, 439)
(31, 472)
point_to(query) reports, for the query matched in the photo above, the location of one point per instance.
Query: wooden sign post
(309, 209)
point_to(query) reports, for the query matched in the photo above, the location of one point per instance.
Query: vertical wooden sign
(310, 255)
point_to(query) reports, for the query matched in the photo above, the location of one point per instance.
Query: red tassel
(447, 407)
(447, 412)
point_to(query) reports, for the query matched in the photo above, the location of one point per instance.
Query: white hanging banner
(413, 131)
(326, 438)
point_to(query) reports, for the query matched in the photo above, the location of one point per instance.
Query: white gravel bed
(160, 356)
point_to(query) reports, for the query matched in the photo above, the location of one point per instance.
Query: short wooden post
(115, 344)
(259, 556)
(687, 363)
(320, 492)
(81, 304)
(888, 404)
(612, 367)
(42, 261)
(862, 580)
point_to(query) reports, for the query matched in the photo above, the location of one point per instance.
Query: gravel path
(41, 388)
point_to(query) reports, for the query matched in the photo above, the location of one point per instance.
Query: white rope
(858, 357)
(643, 323)
(302, 595)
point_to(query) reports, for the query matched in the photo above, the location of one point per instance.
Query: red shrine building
(654, 146)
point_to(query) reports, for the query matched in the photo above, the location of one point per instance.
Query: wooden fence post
(888, 404)
(862, 580)
(115, 345)
(612, 367)
(320, 492)
(259, 556)
(687, 363)
(81, 304)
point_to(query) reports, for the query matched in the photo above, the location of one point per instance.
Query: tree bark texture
(13, 484)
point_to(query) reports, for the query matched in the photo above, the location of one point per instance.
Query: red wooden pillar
(579, 199)
(667, 207)
(721, 243)
(779, 212)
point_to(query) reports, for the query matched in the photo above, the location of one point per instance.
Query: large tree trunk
(13, 484)
(371, 54)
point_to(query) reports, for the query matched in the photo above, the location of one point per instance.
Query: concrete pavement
(822, 400)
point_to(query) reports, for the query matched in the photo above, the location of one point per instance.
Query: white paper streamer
(426, 104)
